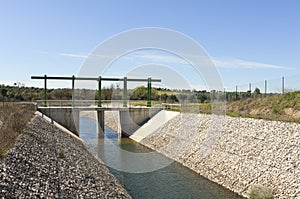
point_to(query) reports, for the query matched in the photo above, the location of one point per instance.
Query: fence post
(236, 95)
(45, 91)
(250, 87)
(282, 85)
(149, 93)
(265, 87)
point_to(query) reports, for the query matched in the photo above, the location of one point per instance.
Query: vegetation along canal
(173, 181)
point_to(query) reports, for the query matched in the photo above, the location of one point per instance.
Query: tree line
(17, 93)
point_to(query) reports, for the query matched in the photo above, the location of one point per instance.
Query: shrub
(260, 192)
(61, 155)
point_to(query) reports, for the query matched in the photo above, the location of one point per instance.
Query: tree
(172, 99)
(164, 97)
(139, 93)
(256, 92)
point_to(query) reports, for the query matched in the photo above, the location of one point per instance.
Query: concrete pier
(100, 123)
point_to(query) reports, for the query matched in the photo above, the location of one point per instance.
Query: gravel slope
(47, 162)
(246, 152)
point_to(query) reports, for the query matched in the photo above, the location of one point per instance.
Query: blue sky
(249, 41)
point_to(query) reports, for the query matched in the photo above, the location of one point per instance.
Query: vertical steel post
(250, 87)
(236, 94)
(73, 91)
(45, 90)
(265, 86)
(125, 92)
(99, 92)
(149, 93)
(282, 85)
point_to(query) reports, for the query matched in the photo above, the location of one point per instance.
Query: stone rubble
(234, 152)
(47, 162)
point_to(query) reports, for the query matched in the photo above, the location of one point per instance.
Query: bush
(61, 155)
(260, 192)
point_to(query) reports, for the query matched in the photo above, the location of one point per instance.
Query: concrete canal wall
(130, 119)
(247, 151)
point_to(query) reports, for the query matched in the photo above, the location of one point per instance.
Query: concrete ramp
(153, 124)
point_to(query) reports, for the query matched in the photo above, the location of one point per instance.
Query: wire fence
(271, 86)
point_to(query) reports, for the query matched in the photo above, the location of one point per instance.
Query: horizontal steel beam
(94, 78)
(57, 78)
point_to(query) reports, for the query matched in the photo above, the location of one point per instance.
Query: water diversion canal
(173, 181)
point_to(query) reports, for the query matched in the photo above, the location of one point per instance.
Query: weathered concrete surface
(133, 118)
(248, 151)
(130, 118)
(47, 162)
(65, 116)
(100, 125)
(111, 119)
(153, 124)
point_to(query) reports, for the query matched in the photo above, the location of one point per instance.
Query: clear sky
(248, 41)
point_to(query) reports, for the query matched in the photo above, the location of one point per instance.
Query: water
(173, 181)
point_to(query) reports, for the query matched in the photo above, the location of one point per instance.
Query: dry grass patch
(260, 192)
(13, 119)
(272, 107)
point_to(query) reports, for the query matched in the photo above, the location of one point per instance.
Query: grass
(272, 107)
(13, 119)
(260, 192)
(138, 103)
(167, 92)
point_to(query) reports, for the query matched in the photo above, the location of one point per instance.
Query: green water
(173, 181)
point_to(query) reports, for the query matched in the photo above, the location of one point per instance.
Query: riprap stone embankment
(47, 162)
(246, 152)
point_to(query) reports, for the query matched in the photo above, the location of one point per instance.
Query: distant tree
(141, 93)
(164, 97)
(202, 97)
(192, 98)
(107, 92)
(256, 91)
(181, 97)
(4, 92)
(172, 99)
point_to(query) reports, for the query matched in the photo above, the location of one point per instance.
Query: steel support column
(99, 92)
(149, 93)
(73, 91)
(45, 90)
(125, 92)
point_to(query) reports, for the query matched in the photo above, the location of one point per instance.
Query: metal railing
(99, 80)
